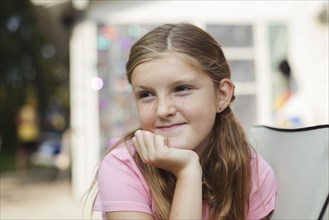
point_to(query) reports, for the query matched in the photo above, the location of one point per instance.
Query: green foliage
(24, 71)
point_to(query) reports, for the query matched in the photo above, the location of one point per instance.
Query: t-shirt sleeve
(121, 185)
(263, 189)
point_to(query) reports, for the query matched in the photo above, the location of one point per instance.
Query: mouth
(170, 126)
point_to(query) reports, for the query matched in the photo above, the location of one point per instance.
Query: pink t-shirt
(122, 186)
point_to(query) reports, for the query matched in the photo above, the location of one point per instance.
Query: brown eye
(182, 89)
(145, 95)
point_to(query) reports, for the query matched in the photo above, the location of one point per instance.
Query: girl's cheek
(146, 116)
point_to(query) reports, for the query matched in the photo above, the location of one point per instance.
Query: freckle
(153, 109)
(181, 103)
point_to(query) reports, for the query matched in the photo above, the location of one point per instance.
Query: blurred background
(64, 94)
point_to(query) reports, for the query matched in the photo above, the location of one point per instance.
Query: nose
(165, 107)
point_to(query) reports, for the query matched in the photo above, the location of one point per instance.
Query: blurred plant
(28, 67)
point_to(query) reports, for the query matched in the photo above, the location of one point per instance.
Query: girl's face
(176, 101)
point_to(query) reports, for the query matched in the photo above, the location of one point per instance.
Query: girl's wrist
(193, 169)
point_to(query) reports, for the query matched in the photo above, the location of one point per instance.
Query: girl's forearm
(187, 201)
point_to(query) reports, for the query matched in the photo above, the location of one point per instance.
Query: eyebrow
(172, 84)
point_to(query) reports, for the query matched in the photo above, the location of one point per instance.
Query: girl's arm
(187, 202)
(184, 164)
(128, 215)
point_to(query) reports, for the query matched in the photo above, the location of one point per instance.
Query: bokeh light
(96, 83)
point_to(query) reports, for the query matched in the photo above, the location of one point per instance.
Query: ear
(224, 94)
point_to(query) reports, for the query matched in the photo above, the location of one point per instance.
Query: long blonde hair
(226, 160)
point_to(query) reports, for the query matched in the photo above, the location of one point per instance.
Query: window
(237, 43)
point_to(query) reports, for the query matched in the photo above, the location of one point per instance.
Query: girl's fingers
(160, 142)
(151, 148)
(140, 145)
(149, 144)
(136, 145)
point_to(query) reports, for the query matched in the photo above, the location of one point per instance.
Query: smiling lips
(170, 127)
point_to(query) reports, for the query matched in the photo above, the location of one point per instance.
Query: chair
(299, 158)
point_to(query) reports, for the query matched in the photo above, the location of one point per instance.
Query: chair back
(299, 158)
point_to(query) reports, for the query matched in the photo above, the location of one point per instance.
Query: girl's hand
(154, 151)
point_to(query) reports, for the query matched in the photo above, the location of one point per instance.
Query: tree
(28, 66)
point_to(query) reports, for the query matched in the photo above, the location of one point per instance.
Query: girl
(190, 159)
